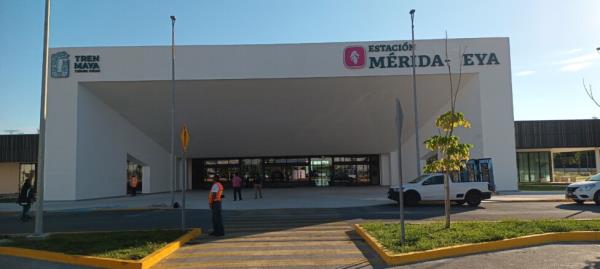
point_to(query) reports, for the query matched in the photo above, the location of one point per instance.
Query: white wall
(468, 103)
(498, 123)
(104, 140)
(384, 169)
(87, 141)
(61, 140)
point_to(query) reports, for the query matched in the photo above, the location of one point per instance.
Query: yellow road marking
(241, 240)
(284, 226)
(266, 244)
(269, 263)
(266, 233)
(298, 222)
(277, 252)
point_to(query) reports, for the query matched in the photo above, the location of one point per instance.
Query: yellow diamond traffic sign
(184, 136)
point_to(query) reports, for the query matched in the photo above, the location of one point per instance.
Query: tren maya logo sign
(60, 64)
(399, 55)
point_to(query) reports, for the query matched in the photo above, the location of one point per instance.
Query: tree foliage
(453, 153)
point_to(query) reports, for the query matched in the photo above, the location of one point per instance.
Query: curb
(530, 201)
(144, 263)
(391, 258)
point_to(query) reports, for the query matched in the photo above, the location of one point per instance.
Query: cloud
(579, 62)
(573, 51)
(575, 67)
(526, 73)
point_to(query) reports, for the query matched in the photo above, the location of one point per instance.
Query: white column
(189, 174)
(384, 169)
(597, 156)
(552, 166)
(146, 179)
(394, 172)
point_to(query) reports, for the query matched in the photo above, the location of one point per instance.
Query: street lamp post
(39, 212)
(414, 81)
(173, 160)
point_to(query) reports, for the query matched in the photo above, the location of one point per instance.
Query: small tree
(451, 152)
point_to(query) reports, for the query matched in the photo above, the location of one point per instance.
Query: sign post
(399, 122)
(184, 137)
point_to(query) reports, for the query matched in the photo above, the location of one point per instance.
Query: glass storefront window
(293, 171)
(574, 166)
(533, 166)
(26, 169)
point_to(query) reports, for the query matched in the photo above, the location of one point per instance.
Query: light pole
(414, 80)
(173, 160)
(39, 211)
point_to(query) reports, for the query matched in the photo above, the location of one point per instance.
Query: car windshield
(595, 177)
(419, 179)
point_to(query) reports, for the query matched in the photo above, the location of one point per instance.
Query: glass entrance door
(321, 171)
(134, 170)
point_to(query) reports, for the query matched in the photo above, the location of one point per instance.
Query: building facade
(557, 151)
(301, 114)
(18, 158)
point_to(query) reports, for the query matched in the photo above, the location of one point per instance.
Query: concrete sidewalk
(530, 196)
(273, 198)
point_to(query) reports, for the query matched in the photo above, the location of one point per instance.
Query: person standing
(258, 181)
(133, 183)
(26, 197)
(215, 197)
(236, 181)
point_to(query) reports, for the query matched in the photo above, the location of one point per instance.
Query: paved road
(563, 256)
(22, 263)
(323, 237)
(153, 219)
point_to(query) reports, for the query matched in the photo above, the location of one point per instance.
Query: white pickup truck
(430, 187)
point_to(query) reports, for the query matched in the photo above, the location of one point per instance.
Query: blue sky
(552, 42)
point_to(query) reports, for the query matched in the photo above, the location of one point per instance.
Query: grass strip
(426, 236)
(542, 187)
(128, 245)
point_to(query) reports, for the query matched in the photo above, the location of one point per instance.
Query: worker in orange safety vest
(215, 197)
(133, 183)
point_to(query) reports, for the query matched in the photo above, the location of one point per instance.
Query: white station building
(301, 114)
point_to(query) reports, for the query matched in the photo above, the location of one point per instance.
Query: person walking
(258, 181)
(236, 181)
(133, 183)
(215, 197)
(26, 198)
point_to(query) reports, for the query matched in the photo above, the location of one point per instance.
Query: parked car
(430, 187)
(588, 190)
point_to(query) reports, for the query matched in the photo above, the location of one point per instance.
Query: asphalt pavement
(320, 234)
(170, 218)
(559, 256)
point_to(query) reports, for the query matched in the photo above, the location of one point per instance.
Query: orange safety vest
(133, 182)
(217, 188)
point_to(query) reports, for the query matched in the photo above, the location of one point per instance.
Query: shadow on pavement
(373, 259)
(585, 208)
(592, 264)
